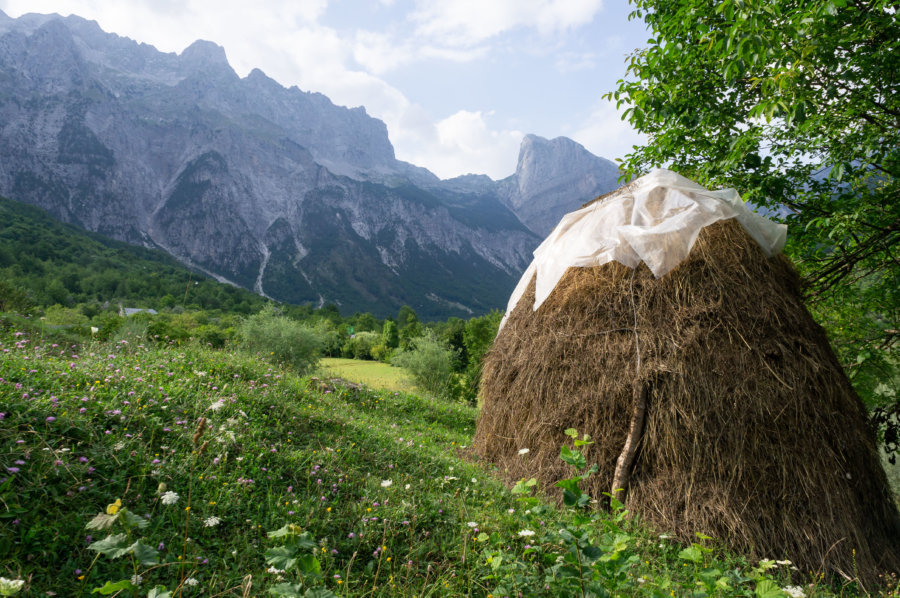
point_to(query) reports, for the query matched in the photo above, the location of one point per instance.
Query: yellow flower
(113, 508)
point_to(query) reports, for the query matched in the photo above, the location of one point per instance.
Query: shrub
(360, 345)
(430, 363)
(284, 340)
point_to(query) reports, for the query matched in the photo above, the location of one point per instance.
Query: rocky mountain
(270, 188)
(549, 175)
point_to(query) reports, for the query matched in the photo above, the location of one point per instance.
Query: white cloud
(605, 134)
(470, 22)
(464, 143)
(570, 62)
(380, 53)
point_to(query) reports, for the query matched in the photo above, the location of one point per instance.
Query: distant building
(130, 311)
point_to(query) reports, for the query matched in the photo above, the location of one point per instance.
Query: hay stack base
(752, 433)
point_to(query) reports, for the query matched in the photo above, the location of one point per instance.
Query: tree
(795, 104)
(390, 337)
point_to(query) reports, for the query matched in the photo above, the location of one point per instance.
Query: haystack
(750, 432)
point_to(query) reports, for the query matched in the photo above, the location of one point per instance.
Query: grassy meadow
(374, 374)
(130, 468)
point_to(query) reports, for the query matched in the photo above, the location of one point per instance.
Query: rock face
(274, 189)
(554, 177)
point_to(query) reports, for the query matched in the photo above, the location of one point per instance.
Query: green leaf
(309, 565)
(146, 555)
(132, 519)
(768, 589)
(573, 458)
(288, 590)
(102, 521)
(281, 557)
(159, 592)
(304, 541)
(319, 593)
(692, 554)
(571, 432)
(112, 546)
(112, 588)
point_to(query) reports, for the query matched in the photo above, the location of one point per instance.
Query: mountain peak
(205, 52)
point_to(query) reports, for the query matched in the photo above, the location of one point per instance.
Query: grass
(161, 471)
(373, 374)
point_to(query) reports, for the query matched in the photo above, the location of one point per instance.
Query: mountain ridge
(271, 188)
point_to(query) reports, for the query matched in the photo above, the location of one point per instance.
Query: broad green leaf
(146, 555)
(112, 546)
(133, 520)
(102, 521)
(692, 554)
(159, 592)
(288, 590)
(112, 588)
(319, 593)
(573, 458)
(768, 589)
(309, 565)
(282, 557)
(571, 432)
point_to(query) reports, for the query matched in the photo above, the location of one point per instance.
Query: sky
(457, 82)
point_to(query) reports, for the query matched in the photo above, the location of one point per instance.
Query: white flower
(525, 533)
(407, 487)
(386, 483)
(472, 524)
(274, 570)
(784, 562)
(191, 581)
(212, 521)
(217, 405)
(169, 498)
(137, 580)
(524, 451)
(794, 591)
(8, 587)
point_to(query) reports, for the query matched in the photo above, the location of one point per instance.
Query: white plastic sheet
(654, 220)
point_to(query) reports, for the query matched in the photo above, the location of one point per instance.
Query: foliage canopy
(795, 104)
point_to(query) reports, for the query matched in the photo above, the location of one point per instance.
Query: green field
(137, 469)
(374, 374)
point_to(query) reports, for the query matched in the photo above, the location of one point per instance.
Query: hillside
(56, 263)
(158, 471)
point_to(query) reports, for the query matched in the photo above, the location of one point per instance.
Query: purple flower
(51, 419)
(12, 469)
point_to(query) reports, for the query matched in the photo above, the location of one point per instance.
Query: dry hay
(753, 434)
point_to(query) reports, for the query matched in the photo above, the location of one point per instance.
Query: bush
(360, 345)
(282, 339)
(430, 364)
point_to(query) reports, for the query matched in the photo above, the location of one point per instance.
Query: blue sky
(458, 82)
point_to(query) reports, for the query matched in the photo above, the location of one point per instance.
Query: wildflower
(794, 591)
(524, 451)
(51, 419)
(525, 533)
(137, 580)
(784, 562)
(12, 469)
(113, 508)
(212, 521)
(386, 483)
(191, 581)
(8, 587)
(472, 524)
(169, 498)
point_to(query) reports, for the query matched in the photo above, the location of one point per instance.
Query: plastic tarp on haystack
(654, 219)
